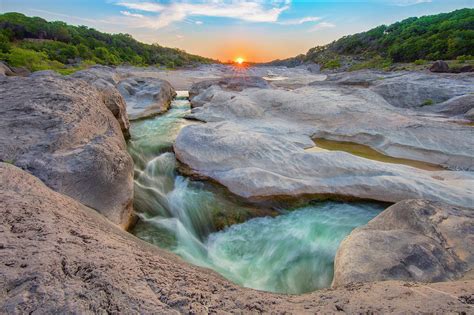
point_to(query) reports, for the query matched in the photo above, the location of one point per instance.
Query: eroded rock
(59, 256)
(238, 83)
(146, 97)
(414, 240)
(105, 79)
(60, 130)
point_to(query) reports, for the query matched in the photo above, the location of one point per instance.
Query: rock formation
(59, 256)
(414, 240)
(60, 130)
(105, 79)
(257, 138)
(146, 97)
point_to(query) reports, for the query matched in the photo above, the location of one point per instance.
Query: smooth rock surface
(407, 89)
(60, 130)
(258, 164)
(59, 256)
(343, 113)
(146, 97)
(416, 89)
(456, 106)
(413, 240)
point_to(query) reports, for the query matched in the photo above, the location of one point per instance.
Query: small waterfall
(291, 253)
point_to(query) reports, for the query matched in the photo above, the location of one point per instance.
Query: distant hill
(38, 44)
(441, 36)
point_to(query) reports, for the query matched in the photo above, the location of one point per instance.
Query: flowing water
(290, 253)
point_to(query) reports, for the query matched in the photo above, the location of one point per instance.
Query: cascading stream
(291, 253)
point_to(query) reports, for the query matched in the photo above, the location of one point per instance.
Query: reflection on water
(369, 153)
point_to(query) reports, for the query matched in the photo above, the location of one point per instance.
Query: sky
(257, 31)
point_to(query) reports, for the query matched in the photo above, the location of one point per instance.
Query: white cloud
(127, 13)
(321, 26)
(252, 11)
(198, 22)
(300, 21)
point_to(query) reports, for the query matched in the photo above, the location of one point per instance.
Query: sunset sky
(224, 30)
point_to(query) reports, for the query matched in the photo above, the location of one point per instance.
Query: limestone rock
(415, 89)
(146, 97)
(59, 256)
(104, 79)
(456, 106)
(414, 240)
(238, 83)
(261, 163)
(439, 66)
(5, 69)
(60, 130)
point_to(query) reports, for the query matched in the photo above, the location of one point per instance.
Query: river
(292, 252)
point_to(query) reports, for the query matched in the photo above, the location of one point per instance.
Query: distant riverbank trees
(37, 44)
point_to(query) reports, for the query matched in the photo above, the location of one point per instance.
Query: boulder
(413, 240)
(456, 106)
(146, 97)
(238, 83)
(96, 72)
(59, 256)
(439, 66)
(5, 70)
(104, 79)
(60, 130)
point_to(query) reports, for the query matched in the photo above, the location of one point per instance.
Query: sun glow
(239, 60)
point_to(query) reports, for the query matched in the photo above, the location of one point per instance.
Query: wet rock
(146, 97)
(60, 130)
(413, 240)
(45, 73)
(75, 261)
(439, 66)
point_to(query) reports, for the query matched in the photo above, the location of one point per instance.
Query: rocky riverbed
(66, 186)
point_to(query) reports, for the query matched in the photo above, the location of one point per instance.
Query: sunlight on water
(291, 253)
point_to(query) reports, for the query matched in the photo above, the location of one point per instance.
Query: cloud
(300, 21)
(127, 13)
(165, 14)
(198, 22)
(321, 26)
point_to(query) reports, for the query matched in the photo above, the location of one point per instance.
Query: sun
(239, 60)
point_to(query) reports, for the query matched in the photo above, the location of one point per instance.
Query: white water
(291, 253)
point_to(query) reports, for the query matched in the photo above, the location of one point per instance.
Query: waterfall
(291, 253)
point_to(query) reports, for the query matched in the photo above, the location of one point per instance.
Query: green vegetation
(446, 36)
(427, 102)
(37, 44)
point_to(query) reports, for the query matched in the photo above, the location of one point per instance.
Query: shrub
(332, 64)
(428, 102)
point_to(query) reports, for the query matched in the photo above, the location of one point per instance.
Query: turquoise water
(291, 253)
